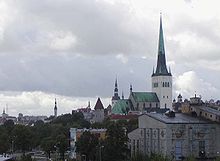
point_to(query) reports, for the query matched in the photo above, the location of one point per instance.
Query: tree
(62, 144)
(87, 145)
(48, 145)
(22, 137)
(115, 144)
(4, 141)
(9, 125)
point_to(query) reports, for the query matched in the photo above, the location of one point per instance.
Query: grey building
(176, 136)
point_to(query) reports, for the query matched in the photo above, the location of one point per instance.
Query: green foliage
(158, 157)
(217, 159)
(62, 144)
(4, 141)
(115, 144)
(140, 157)
(153, 157)
(87, 145)
(190, 158)
(26, 158)
(48, 145)
(74, 120)
(22, 137)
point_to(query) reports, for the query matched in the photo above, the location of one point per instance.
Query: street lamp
(100, 152)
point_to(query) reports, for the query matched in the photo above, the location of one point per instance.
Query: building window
(163, 96)
(150, 105)
(165, 105)
(155, 85)
(163, 84)
(156, 105)
(168, 84)
(201, 148)
(137, 145)
(210, 115)
(134, 147)
(167, 97)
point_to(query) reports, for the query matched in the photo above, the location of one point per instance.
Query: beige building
(200, 109)
(176, 137)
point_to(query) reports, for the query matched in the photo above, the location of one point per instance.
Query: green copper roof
(145, 97)
(161, 59)
(161, 41)
(121, 107)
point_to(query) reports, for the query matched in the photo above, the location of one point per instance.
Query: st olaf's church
(159, 99)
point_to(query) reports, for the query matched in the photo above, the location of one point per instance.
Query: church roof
(161, 68)
(98, 104)
(122, 107)
(145, 96)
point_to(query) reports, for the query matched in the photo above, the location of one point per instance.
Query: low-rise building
(200, 109)
(176, 136)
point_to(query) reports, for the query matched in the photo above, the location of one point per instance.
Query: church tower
(55, 108)
(116, 97)
(162, 78)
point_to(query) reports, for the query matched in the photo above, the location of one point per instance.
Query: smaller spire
(3, 110)
(88, 104)
(55, 104)
(130, 88)
(122, 95)
(55, 108)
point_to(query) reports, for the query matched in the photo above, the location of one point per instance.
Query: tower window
(163, 84)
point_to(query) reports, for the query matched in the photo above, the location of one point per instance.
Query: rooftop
(209, 110)
(178, 119)
(145, 97)
(121, 107)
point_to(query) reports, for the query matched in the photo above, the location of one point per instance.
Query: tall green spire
(161, 41)
(161, 58)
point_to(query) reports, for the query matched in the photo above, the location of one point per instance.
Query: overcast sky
(74, 49)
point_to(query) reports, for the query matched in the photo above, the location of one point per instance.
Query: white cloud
(122, 58)
(61, 40)
(40, 103)
(189, 83)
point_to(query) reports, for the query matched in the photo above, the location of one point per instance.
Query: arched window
(163, 84)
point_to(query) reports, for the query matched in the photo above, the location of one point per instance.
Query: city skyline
(73, 51)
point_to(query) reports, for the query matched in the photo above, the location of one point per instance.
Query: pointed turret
(161, 68)
(55, 108)
(115, 97)
(122, 95)
(130, 88)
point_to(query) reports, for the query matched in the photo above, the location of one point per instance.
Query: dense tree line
(53, 137)
(49, 137)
